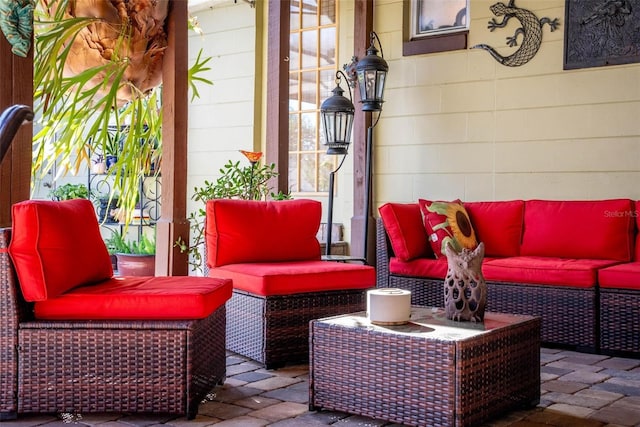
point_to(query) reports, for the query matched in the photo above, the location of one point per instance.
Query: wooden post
(363, 26)
(173, 222)
(16, 87)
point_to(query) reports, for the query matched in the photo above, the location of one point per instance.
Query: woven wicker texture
(620, 321)
(423, 380)
(104, 366)
(568, 314)
(274, 330)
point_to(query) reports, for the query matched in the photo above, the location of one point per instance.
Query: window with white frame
(312, 67)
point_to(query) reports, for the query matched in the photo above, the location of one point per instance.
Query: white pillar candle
(388, 306)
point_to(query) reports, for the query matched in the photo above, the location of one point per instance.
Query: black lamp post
(337, 121)
(372, 75)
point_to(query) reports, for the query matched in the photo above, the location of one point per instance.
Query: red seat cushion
(421, 267)
(404, 226)
(139, 298)
(621, 276)
(57, 246)
(245, 231)
(544, 270)
(499, 225)
(589, 229)
(286, 278)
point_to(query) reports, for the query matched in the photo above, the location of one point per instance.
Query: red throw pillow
(447, 223)
(56, 246)
(239, 231)
(404, 226)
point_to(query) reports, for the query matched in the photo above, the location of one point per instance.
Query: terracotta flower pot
(136, 265)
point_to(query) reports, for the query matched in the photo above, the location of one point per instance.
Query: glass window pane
(433, 16)
(327, 46)
(327, 164)
(327, 83)
(308, 172)
(309, 50)
(327, 12)
(293, 173)
(309, 90)
(294, 15)
(309, 125)
(294, 55)
(309, 13)
(294, 129)
(294, 91)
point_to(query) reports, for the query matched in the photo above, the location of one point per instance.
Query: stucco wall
(461, 125)
(221, 121)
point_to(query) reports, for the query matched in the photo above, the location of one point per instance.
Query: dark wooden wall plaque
(601, 32)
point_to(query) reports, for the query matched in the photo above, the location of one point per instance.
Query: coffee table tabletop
(429, 372)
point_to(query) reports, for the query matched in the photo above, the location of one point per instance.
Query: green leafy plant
(116, 244)
(235, 182)
(70, 191)
(75, 110)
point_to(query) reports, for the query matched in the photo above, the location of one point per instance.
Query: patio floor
(577, 390)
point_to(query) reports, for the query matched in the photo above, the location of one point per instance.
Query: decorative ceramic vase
(465, 290)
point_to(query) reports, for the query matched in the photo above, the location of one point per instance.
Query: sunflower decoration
(458, 220)
(449, 224)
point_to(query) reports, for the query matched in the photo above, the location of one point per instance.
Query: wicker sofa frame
(274, 330)
(569, 315)
(103, 366)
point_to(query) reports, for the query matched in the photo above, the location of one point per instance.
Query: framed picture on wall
(432, 17)
(601, 32)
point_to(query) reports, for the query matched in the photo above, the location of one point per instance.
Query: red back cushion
(239, 231)
(447, 223)
(57, 246)
(498, 225)
(403, 223)
(589, 229)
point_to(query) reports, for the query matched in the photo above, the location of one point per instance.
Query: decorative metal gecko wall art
(531, 32)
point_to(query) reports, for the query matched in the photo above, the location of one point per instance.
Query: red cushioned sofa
(270, 251)
(574, 263)
(74, 338)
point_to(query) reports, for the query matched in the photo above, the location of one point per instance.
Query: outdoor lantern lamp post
(337, 121)
(371, 74)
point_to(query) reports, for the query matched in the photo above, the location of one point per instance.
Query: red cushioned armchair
(270, 251)
(73, 338)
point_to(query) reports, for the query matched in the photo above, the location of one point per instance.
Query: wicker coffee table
(429, 372)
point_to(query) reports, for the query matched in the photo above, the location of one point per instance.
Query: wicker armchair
(49, 366)
(271, 253)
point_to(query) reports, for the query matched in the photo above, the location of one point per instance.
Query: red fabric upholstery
(422, 267)
(544, 270)
(404, 226)
(286, 278)
(246, 231)
(499, 225)
(621, 276)
(57, 246)
(593, 229)
(139, 298)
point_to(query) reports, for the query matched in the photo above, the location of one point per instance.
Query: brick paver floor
(581, 390)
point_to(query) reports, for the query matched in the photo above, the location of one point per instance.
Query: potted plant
(70, 191)
(133, 257)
